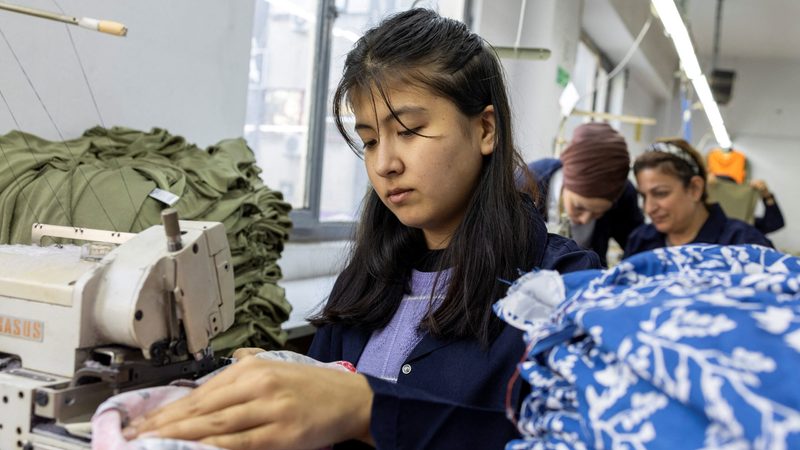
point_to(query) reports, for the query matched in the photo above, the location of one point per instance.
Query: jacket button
(406, 369)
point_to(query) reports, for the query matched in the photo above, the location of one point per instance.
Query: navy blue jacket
(618, 222)
(772, 220)
(718, 229)
(453, 396)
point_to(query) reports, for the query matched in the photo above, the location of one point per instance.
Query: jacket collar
(356, 339)
(713, 227)
(537, 234)
(537, 237)
(427, 345)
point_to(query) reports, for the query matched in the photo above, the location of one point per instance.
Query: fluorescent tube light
(673, 23)
(712, 111)
(675, 27)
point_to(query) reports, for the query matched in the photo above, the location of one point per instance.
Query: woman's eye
(409, 132)
(369, 144)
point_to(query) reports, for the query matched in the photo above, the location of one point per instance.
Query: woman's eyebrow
(404, 111)
(398, 113)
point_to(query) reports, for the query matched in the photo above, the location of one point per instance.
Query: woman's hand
(257, 404)
(761, 187)
(240, 353)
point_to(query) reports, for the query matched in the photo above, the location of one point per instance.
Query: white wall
(614, 25)
(533, 91)
(638, 101)
(762, 119)
(183, 67)
(557, 25)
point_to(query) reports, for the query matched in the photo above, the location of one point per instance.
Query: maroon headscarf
(596, 162)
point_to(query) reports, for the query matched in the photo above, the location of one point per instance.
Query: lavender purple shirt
(389, 347)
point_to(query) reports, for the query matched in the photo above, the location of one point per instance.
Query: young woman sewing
(443, 232)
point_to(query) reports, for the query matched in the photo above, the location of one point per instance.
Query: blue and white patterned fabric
(681, 347)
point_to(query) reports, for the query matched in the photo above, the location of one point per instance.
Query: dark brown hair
(493, 243)
(674, 157)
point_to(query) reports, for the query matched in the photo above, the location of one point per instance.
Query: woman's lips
(398, 196)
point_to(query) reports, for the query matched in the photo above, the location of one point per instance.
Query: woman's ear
(696, 187)
(488, 130)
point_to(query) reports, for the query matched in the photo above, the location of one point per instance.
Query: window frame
(306, 225)
(604, 64)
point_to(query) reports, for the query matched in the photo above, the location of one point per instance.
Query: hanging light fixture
(673, 24)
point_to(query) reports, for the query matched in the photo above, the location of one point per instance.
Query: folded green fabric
(102, 180)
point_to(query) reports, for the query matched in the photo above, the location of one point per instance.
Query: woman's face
(670, 205)
(582, 210)
(426, 181)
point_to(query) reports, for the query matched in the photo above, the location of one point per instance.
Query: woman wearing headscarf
(585, 194)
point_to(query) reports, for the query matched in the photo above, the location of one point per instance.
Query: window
(584, 76)
(590, 77)
(591, 73)
(344, 180)
(297, 53)
(277, 120)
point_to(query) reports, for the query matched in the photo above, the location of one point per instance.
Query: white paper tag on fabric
(569, 99)
(165, 197)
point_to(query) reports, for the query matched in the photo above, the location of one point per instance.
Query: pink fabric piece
(118, 411)
(115, 413)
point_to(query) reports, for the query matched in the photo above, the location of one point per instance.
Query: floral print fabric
(680, 347)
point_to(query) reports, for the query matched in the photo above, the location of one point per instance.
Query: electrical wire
(78, 167)
(633, 48)
(35, 160)
(99, 116)
(522, 9)
(613, 73)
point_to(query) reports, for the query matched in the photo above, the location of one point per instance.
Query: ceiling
(751, 29)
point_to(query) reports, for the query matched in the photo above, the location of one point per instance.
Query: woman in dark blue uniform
(671, 179)
(433, 125)
(585, 195)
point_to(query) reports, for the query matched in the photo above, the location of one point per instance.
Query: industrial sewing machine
(79, 324)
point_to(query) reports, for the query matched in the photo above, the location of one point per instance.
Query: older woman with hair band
(671, 179)
(585, 194)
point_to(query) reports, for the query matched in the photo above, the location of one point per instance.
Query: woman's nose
(387, 162)
(583, 218)
(650, 206)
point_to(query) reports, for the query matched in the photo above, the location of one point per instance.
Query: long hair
(493, 242)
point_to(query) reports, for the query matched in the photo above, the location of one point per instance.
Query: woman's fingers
(247, 351)
(193, 405)
(760, 186)
(269, 404)
(230, 420)
(220, 392)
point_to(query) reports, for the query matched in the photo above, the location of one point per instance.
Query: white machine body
(76, 328)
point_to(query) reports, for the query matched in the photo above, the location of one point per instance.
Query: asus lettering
(32, 330)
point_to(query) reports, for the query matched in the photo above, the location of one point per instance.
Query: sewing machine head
(80, 323)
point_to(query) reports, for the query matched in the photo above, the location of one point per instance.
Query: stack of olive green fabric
(102, 180)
